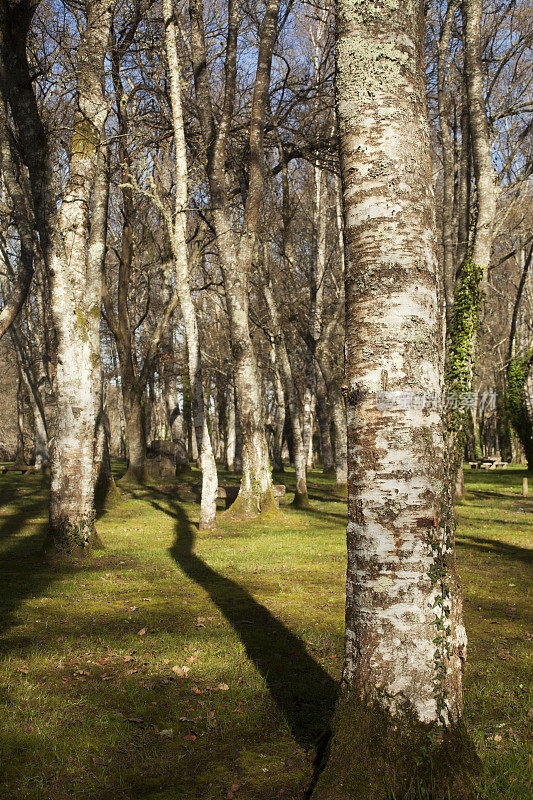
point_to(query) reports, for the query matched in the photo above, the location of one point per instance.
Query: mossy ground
(251, 616)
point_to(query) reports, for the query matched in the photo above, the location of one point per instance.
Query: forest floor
(177, 665)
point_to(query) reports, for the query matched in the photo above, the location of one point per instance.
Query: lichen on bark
(404, 637)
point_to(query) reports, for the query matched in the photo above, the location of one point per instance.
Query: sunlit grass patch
(177, 664)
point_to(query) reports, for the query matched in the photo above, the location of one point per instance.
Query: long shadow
(486, 494)
(497, 548)
(302, 689)
(342, 519)
(24, 572)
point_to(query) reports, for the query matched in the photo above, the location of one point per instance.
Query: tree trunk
(178, 234)
(20, 457)
(106, 494)
(230, 428)
(464, 180)
(309, 445)
(480, 136)
(40, 436)
(135, 434)
(341, 441)
(278, 414)
(448, 163)
(256, 485)
(519, 372)
(237, 461)
(527, 401)
(76, 291)
(398, 726)
(301, 498)
(324, 424)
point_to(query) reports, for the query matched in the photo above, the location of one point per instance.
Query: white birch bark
(75, 283)
(179, 246)
(230, 428)
(316, 288)
(404, 637)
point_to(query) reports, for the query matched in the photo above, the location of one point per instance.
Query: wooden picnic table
(489, 462)
(22, 468)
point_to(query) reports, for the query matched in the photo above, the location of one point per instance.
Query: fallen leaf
(223, 687)
(135, 719)
(181, 671)
(141, 632)
(128, 658)
(24, 670)
(191, 737)
(166, 661)
(168, 733)
(232, 789)
(196, 690)
(192, 659)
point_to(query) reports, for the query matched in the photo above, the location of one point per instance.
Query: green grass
(90, 706)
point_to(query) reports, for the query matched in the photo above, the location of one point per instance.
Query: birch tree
(256, 484)
(177, 231)
(399, 721)
(75, 269)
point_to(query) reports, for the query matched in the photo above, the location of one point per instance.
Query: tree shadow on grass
(24, 572)
(497, 548)
(304, 692)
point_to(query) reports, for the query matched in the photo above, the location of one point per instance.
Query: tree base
(245, 506)
(135, 475)
(329, 470)
(106, 497)
(249, 506)
(374, 756)
(269, 506)
(69, 541)
(340, 490)
(459, 487)
(184, 472)
(209, 525)
(301, 500)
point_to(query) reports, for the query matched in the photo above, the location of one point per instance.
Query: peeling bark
(399, 718)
